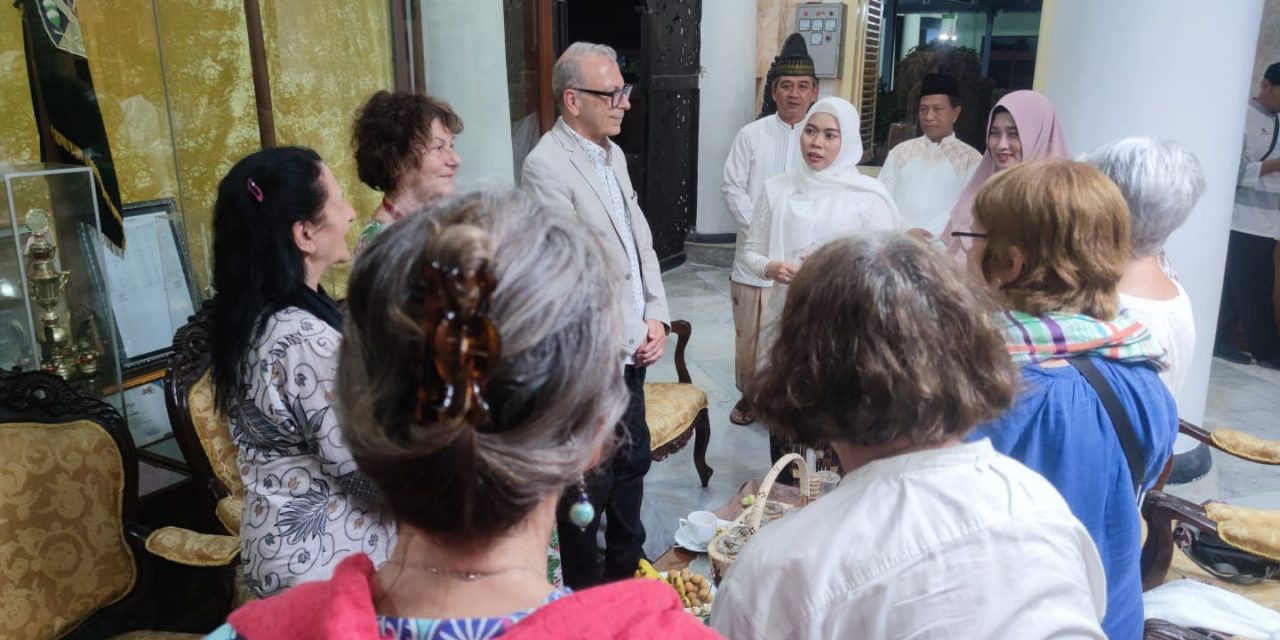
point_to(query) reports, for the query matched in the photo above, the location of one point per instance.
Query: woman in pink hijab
(1022, 127)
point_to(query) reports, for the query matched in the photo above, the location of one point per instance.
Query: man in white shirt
(761, 150)
(925, 175)
(1255, 224)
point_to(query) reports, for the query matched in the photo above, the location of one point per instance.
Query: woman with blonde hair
(889, 353)
(479, 379)
(1051, 239)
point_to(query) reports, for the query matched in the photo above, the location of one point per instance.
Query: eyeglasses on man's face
(614, 98)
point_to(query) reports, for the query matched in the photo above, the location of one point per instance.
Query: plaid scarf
(1034, 339)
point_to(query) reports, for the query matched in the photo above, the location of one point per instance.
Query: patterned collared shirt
(621, 215)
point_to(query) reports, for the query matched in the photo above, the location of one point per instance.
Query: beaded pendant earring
(582, 513)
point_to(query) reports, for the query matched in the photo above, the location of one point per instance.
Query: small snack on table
(694, 590)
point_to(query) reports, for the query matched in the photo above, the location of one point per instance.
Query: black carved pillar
(671, 35)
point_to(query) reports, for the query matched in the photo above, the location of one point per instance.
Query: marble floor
(1239, 395)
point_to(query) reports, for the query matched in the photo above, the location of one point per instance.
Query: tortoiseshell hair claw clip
(462, 345)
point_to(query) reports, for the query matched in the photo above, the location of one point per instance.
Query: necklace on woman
(469, 576)
(391, 209)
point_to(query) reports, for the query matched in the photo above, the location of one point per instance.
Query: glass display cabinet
(54, 305)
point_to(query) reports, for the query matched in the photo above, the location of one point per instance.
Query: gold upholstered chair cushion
(214, 432)
(229, 511)
(1254, 530)
(193, 549)
(63, 553)
(1244, 445)
(157, 635)
(670, 408)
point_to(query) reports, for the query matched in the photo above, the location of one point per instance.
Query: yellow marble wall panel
(124, 57)
(19, 143)
(325, 59)
(775, 20)
(206, 59)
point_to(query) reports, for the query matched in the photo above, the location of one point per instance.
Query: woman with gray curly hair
(478, 379)
(887, 351)
(1161, 182)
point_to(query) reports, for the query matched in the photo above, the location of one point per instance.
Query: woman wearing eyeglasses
(479, 380)
(1051, 239)
(822, 199)
(403, 144)
(1022, 127)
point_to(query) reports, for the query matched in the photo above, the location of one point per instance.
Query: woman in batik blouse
(279, 223)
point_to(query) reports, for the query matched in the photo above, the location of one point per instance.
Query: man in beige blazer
(576, 169)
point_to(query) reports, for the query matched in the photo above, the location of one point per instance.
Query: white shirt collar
(780, 123)
(949, 137)
(594, 150)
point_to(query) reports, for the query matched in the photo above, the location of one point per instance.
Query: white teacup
(701, 526)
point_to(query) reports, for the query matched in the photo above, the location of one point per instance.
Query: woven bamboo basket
(721, 549)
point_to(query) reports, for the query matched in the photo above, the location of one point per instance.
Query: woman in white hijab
(818, 201)
(822, 199)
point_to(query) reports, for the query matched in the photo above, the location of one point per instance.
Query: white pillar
(466, 60)
(1173, 70)
(910, 32)
(727, 100)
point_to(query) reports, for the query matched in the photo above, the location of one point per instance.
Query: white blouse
(1172, 324)
(944, 543)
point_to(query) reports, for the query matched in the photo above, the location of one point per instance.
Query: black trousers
(1247, 286)
(615, 489)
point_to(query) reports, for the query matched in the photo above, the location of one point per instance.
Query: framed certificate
(150, 286)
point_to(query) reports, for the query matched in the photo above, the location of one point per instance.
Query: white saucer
(684, 539)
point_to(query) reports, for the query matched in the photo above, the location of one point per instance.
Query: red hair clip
(254, 190)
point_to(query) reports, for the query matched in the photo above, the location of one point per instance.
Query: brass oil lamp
(58, 354)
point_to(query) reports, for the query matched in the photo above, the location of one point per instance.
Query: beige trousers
(749, 304)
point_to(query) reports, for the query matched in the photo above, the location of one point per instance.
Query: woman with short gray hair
(1161, 182)
(478, 379)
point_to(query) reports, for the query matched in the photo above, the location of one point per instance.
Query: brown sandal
(741, 413)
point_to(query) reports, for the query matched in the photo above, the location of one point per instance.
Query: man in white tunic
(761, 150)
(925, 175)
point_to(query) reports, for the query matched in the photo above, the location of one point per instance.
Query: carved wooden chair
(77, 563)
(204, 436)
(202, 432)
(1172, 523)
(677, 411)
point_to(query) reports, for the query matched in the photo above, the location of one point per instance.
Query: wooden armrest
(1160, 511)
(683, 330)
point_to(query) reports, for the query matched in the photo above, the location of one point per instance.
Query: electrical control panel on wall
(822, 26)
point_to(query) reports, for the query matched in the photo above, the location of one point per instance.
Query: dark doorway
(658, 44)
